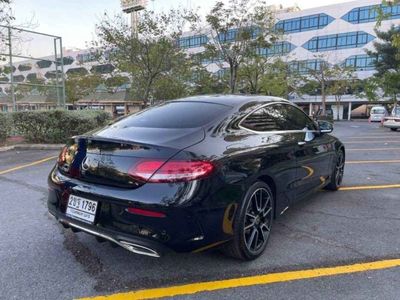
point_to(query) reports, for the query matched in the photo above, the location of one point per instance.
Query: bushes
(55, 126)
(5, 126)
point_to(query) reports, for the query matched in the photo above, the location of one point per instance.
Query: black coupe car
(194, 173)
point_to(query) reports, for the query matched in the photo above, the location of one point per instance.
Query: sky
(74, 20)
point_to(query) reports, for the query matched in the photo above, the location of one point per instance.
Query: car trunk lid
(107, 156)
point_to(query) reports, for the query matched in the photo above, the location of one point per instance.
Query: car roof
(233, 100)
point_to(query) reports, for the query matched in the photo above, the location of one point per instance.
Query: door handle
(302, 143)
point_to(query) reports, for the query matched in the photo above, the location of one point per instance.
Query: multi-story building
(339, 33)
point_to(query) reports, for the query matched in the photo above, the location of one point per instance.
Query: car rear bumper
(376, 118)
(187, 226)
(136, 245)
(391, 124)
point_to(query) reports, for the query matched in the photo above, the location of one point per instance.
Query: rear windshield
(396, 112)
(378, 111)
(175, 115)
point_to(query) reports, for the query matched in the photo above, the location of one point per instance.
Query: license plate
(81, 209)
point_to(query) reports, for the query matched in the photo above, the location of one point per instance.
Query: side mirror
(325, 126)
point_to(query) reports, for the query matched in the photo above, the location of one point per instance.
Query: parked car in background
(377, 114)
(393, 122)
(194, 173)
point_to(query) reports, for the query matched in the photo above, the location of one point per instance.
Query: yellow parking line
(190, 289)
(27, 165)
(369, 187)
(371, 149)
(372, 161)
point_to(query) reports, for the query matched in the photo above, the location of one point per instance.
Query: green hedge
(55, 126)
(5, 126)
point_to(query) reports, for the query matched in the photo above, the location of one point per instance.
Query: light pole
(133, 7)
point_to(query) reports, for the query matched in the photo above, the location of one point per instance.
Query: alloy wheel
(258, 220)
(339, 168)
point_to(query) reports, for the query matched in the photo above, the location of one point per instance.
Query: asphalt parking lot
(359, 224)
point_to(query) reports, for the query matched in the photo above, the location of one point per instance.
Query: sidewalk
(32, 147)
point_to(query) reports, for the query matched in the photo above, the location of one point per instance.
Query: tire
(393, 129)
(252, 225)
(337, 172)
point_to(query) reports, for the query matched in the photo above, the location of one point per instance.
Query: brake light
(171, 171)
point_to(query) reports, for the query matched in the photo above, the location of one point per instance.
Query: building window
(77, 71)
(67, 60)
(360, 62)
(306, 23)
(85, 57)
(42, 64)
(370, 13)
(234, 34)
(53, 74)
(6, 69)
(24, 67)
(192, 41)
(228, 36)
(338, 41)
(31, 77)
(279, 48)
(103, 69)
(305, 66)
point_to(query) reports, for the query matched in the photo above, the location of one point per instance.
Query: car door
(313, 153)
(271, 150)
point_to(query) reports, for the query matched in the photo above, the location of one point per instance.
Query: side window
(278, 117)
(298, 120)
(268, 118)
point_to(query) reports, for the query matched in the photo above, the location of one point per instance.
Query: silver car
(393, 122)
(377, 114)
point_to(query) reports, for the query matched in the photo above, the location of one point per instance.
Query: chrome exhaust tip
(130, 246)
(139, 249)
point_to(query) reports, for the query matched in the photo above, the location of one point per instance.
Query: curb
(32, 147)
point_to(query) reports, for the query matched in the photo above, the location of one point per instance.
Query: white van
(377, 114)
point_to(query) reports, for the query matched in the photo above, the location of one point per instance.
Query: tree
(252, 72)
(204, 82)
(383, 15)
(5, 18)
(342, 81)
(79, 86)
(150, 54)
(280, 80)
(238, 30)
(5, 12)
(116, 81)
(387, 63)
(321, 73)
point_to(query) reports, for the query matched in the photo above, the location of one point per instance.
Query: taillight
(62, 157)
(172, 171)
(65, 159)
